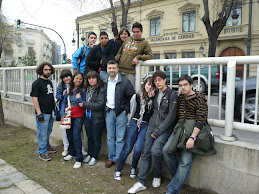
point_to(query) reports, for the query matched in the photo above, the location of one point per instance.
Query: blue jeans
(94, 134)
(133, 136)
(178, 172)
(43, 132)
(116, 129)
(74, 139)
(152, 153)
(103, 75)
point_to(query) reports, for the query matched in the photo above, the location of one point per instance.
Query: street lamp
(202, 50)
(83, 39)
(73, 41)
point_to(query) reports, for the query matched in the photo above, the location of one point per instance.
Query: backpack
(80, 57)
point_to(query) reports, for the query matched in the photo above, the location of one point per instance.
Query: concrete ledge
(233, 170)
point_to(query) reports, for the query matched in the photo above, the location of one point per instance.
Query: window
(155, 27)
(19, 59)
(155, 68)
(188, 55)
(19, 48)
(30, 49)
(189, 21)
(170, 56)
(238, 10)
(86, 37)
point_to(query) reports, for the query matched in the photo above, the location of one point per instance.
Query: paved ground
(12, 181)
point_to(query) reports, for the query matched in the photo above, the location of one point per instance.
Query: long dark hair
(144, 92)
(93, 74)
(72, 85)
(118, 37)
(64, 73)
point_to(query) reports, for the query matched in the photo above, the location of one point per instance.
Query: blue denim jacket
(73, 101)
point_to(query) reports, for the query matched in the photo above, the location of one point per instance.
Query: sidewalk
(12, 181)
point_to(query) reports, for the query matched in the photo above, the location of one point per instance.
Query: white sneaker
(132, 173)
(77, 165)
(87, 159)
(65, 152)
(156, 182)
(84, 152)
(92, 162)
(137, 187)
(68, 157)
(117, 175)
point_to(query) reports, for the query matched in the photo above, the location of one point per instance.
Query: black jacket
(109, 53)
(164, 117)
(92, 62)
(97, 105)
(123, 93)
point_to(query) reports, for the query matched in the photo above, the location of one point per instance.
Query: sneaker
(84, 152)
(68, 157)
(44, 157)
(132, 173)
(52, 150)
(137, 187)
(156, 182)
(87, 159)
(117, 175)
(77, 165)
(92, 162)
(65, 152)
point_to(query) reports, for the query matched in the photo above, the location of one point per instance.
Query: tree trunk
(114, 20)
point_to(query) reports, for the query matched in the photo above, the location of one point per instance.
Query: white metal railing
(17, 81)
(231, 63)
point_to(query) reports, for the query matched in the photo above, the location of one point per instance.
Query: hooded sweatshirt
(129, 50)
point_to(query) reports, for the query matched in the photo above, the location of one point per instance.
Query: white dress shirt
(111, 92)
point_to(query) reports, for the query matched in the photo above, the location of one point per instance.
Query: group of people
(101, 93)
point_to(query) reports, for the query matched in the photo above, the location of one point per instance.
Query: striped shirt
(195, 108)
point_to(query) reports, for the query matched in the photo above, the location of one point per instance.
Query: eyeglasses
(158, 80)
(183, 85)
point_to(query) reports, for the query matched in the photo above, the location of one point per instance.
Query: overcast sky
(59, 15)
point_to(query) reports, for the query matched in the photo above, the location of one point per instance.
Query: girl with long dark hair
(76, 95)
(66, 77)
(94, 120)
(141, 109)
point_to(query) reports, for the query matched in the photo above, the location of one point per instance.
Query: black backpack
(80, 57)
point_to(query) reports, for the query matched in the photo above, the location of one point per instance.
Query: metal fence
(231, 63)
(17, 81)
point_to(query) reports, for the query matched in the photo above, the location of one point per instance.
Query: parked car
(194, 75)
(249, 102)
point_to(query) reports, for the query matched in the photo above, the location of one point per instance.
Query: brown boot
(109, 164)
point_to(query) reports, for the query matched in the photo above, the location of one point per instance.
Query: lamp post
(201, 49)
(49, 29)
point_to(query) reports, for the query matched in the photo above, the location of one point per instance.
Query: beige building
(30, 38)
(175, 30)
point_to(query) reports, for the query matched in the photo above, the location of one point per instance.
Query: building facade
(27, 39)
(175, 30)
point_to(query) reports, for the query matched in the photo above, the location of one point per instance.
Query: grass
(18, 147)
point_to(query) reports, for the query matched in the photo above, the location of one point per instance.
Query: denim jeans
(74, 139)
(133, 137)
(43, 132)
(103, 75)
(178, 172)
(94, 134)
(65, 140)
(152, 153)
(116, 129)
